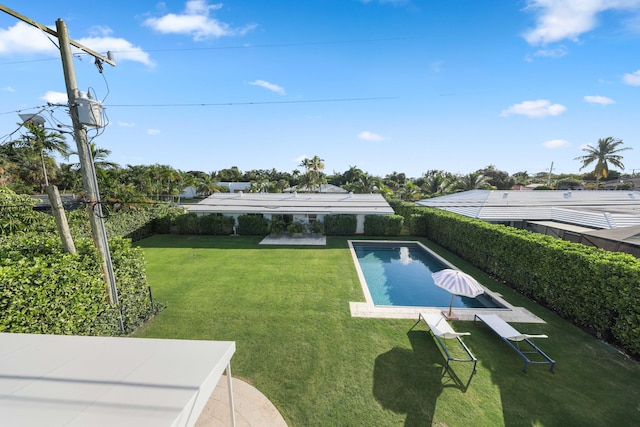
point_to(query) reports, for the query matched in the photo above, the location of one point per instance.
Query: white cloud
(8, 89)
(556, 143)
(22, 38)
(369, 136)
(557, 52)
(55, 97)
(537, 108)
(270, 86)
(153, 131)
(126, 124)
(567, 19)
(123, 50)
(196, 22)
(597, 99)
(632, 79)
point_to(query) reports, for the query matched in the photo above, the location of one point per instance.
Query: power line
(247, 46)
(378, 98)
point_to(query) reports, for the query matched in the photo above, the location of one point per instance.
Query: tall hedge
(216, 225)
(383, 225)
(593, 288)
(188, 224)
(253, 225)
(340, 225)
(43, 290)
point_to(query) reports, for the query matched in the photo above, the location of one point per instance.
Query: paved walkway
(288, 240)
(252, 408)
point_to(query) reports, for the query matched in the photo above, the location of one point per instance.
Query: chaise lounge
(440, 328)
(510, 335)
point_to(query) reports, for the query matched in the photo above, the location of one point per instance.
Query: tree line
(28, 164)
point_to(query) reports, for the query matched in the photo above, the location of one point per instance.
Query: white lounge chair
(510, 335)
(440, 328)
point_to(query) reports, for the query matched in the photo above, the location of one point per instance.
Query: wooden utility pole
(87, 167)
(61, 219)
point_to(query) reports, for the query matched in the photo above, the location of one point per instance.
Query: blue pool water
(399, 274)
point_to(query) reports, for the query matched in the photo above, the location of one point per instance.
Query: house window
(312, 217)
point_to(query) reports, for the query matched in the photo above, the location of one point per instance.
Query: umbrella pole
(451, 305)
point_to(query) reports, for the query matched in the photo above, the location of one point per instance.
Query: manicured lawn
(287, 309)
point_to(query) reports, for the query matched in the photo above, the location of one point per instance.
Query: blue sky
(384, 85)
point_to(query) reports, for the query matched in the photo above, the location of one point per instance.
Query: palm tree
(472, 181)
(313, 167)
(38, 140)
(436, 182)
(606, 152)
(99, 156)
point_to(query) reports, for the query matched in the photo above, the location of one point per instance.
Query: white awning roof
(60, 380)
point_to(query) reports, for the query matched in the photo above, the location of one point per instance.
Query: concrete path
(253, 409)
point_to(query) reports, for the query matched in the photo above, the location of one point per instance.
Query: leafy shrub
(296, 227)
(402, 208)
(317, 227)
(276, 226)
(393, 226)
(340, 225)
(43, 290)
(188, 223)
(383, 225)
(216, 225)
(165, 219)
(374, 225)
(17, 214)
(253, 225)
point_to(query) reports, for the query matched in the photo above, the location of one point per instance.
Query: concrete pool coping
(368, 309)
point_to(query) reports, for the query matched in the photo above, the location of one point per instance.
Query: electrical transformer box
(89, 111)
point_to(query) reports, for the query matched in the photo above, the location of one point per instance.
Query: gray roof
(594, 209)
(322, 188)
(293, 203)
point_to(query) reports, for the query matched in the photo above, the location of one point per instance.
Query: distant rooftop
(593, 209)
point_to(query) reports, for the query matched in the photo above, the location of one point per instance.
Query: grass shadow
(410, 381)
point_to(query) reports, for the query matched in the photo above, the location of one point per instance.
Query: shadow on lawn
(410, 381)
(227, 242)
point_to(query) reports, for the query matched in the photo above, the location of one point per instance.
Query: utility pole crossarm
(55, 34)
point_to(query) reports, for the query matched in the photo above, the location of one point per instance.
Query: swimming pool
(399, 274)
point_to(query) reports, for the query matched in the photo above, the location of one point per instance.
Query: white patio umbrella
(458, 283)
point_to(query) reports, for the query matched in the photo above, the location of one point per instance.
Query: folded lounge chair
(510, 335)
(442, 331)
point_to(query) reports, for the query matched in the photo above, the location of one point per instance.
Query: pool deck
(369, 310)
(510, 314)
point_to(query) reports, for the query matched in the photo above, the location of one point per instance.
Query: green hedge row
(191, 223)
(593, 288)
(383, 225)
(43, 290)
(253, 225)
(340, 225)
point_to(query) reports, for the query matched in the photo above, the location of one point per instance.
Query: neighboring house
(594, 218)
(235, 187)
(322, 188)
(307, 207)
(69, 202)
(190, 192)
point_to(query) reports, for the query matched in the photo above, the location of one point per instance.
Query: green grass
(287, 309)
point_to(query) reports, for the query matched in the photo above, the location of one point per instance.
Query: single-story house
(322, 188)
(303, 207)
(585, 216)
